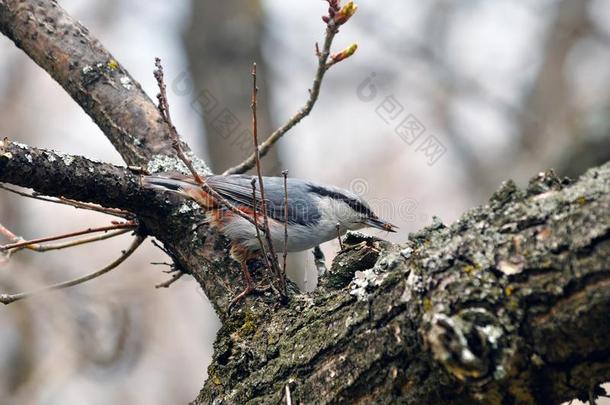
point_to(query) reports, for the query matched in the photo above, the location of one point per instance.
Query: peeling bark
(507, 305)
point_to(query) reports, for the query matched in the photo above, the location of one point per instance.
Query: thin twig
(314, 92)
(336, 17)
(162, 248)
(10, 235)
(163, 264)
(5, 255)
(288, 396)
(285, 174)
(258, 231)
(172, 280)
(174, 269)
(94, 207)
(164, 111)
(123, 225)
(9, 298)
(73, 203)
(275, 265)
(338, 228)
(57, 246)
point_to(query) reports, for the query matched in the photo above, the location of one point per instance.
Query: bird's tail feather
(165, 184)
(176, 185)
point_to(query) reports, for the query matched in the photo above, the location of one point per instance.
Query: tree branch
(90, 74)
(56, 174)
(172, 221)
(72, 203)
(41, 248)
(507, 305)
(314, 92)
(10, 298)
(26, 243)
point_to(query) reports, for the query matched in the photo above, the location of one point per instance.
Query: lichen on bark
(487, 309)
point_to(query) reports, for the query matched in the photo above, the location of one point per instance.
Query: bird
(316, 212)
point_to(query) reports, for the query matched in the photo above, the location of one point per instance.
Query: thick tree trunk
(507, 305)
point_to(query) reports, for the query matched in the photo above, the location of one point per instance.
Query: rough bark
(178, 224)
(90, 74)
(507, 305)
(53, 173)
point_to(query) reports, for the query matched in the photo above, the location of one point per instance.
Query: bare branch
(275, 268)
(78, 242)
(70, 178)
(258, 230)
(73, 203)
(124, 225)
(8, 234)
(163, 108)
(314, 92)
(175, 277)
(90, 74)
(9, 298)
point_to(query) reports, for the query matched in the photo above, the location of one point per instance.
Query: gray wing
(238, 189)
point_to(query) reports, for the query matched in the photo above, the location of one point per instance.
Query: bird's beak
(379, 224)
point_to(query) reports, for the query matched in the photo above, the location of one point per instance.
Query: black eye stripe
(353, 204)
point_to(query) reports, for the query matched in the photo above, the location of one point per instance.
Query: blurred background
(443, 100)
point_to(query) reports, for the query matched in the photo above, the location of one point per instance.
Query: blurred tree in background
(222, 40)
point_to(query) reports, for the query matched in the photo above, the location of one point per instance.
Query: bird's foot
(250, 289)
(247, 291)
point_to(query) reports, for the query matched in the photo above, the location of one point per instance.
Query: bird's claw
(250, 289)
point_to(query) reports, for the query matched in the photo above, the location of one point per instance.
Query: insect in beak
(379, 224)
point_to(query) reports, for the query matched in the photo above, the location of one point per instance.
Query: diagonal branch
(90, 74)
(10, 298)
(78, 242)
(72, 203)
(26, 243)
(314, 92)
